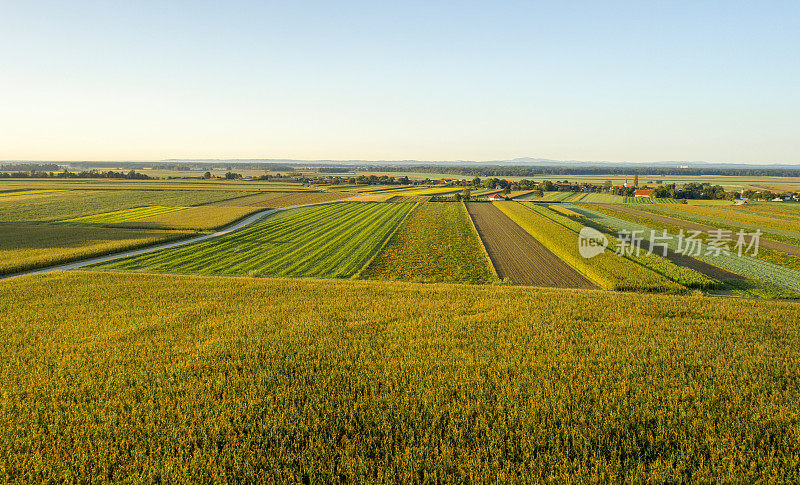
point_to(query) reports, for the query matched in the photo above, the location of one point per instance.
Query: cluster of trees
(87, 174)
(693, 190)
(764, 194)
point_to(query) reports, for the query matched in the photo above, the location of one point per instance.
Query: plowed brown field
(517, 255)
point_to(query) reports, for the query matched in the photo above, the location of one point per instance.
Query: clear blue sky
(429, 80)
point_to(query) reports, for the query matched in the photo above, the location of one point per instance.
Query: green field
(24, 192)
(756, 269)
(70, 204)
(606, 269)
(681, 275)
(208, 379)
(435, 243)
(126, 215)
(29, 246)
(330, 241)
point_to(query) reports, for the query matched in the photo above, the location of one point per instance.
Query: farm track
(519, 256)
(683, 224)
(124, 254)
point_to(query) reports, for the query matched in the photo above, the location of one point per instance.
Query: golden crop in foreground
(29, 246)
(142, 377)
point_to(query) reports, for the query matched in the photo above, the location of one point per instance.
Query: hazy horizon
(620, 81)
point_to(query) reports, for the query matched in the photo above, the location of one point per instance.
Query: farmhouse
(643, 193)
(495, 197)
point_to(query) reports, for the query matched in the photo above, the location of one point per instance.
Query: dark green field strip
(787, 232)
(330, 241)
(78, 203)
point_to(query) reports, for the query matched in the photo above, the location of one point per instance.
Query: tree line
(87, 174)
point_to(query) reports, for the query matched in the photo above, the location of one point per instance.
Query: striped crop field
(27, 192)
(125, 215)
(575, 197)
(435, 243)
(744, 265)
(637, 200)
(517, 256)
(279, 200)
(680, 274)
(30, 246)
(777, 210)
(71, 204)
(780, 230)
(200, 218)
(606, 269)
(564, 211)
(754, 220)
(603, 198)
(373, 197)
(248, 200)
(326, 241)
(556, 196)
(409, 198)
(434, 191)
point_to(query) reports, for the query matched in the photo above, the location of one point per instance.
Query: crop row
(206, 380)
(200, 218)
(26, 192)
(748, 219)
(333, 240)
(78, 203)
(607, 269)
(30, 246)
(679, 274)
(778, 210)
(435, 243)
(743, 265)
(787, 236)
(125, 215)
(564, 211)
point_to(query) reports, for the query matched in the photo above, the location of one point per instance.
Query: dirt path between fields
(764, 243)
(135, 252)
(517, 255)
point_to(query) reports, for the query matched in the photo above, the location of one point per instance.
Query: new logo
(591, 242)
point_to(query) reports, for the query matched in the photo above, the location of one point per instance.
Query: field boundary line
(360, 272)
(235, 226)
(480, 240)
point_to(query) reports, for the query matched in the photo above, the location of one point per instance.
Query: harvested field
(517, 255)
